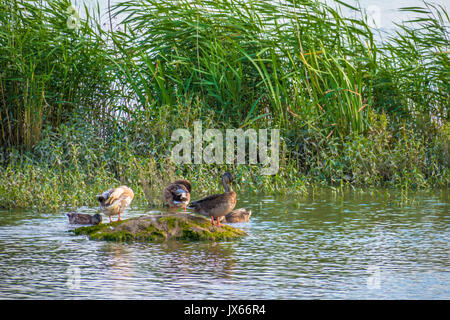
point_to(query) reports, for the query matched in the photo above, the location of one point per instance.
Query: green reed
(48, 71)
(249, 60)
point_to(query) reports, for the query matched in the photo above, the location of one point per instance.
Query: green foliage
(48, 71)
(248, 61)
(418, 55)
(85, 109)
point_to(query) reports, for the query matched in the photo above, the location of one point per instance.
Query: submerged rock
(160, 228)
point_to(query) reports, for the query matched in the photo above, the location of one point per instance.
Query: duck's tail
(192, 205)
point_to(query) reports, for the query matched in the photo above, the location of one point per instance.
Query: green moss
(113, 236)
(151, 233)
(169, 220)
(161, 228)
(88, 230)
(96, 230)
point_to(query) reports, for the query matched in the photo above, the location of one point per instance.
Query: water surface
(329, 246)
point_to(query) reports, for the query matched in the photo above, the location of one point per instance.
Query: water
(355, 246)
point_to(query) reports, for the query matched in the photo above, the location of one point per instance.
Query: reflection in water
(120, 269)
(332, 245)
(213, 259)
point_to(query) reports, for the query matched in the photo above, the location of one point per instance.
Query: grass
(83, 109)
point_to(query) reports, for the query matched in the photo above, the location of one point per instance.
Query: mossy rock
(160, 228)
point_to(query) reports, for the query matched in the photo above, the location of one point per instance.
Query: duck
(115, 200)
(217, 205)
(84, 218)
(177, 194)
(237, 215)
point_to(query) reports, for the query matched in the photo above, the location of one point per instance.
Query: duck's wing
(114, 195)
(241, 213)
(180, 193)
(203, 201)
(213, 201)
(79, 218)
(127, 192)
(185, 183)
(175, 192)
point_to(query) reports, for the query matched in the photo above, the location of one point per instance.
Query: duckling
(177, 194)
(238, 215)
(115, 200)
(83, 218)
(216, 205)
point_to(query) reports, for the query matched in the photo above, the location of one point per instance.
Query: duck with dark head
(177, 194)
(217, 205)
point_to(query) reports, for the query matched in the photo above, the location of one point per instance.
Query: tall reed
(250, 60)
(49, 71)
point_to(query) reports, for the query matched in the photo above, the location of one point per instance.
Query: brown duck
(115, 200)
(83, 218)
(216, 205)
(238, 215)
(177, 194)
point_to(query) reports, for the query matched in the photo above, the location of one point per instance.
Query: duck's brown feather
(177, 194)
(84, 218)
(185, 183)
(215, 205)
(238, 215)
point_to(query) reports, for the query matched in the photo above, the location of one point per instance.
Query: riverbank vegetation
(85, 106)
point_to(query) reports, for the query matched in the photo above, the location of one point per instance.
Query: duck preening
(177, 194)
(83, 218)
(217, 205)
(238, 215)
(115, 200)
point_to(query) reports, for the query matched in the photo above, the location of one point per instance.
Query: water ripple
(361, 247)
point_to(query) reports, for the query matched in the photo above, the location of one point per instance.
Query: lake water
(329, 246)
